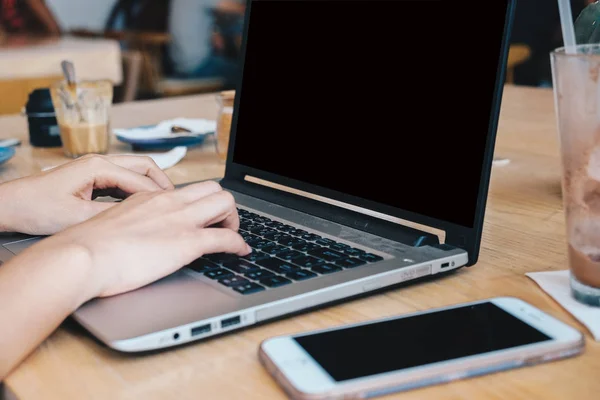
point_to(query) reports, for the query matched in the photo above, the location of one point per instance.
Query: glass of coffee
(577, 99)
(82, 111)
(225, 101)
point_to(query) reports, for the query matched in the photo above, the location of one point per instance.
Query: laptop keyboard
(281, 255)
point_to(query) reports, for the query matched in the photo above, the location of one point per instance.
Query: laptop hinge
(366, 223)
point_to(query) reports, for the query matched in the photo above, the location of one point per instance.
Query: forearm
(38, 290)
(11, 214)
(5, 209)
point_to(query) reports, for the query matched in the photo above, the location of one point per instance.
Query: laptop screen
(387, 101)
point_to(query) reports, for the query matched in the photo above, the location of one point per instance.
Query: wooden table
(524, 231)
(30, 63)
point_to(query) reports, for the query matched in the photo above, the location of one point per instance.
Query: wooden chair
(152, 80)
(517, 55)
(132, 72)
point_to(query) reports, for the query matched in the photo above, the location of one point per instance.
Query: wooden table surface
(524, 231)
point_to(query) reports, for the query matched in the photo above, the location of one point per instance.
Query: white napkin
(163, 160)
(9, 142)
(163, 129)
(168, 159)
(556, 284)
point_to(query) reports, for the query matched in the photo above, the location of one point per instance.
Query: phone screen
(397, 344)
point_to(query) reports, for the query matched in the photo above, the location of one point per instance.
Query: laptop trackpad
(21, 245)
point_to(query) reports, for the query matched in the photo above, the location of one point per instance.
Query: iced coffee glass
(82, 112)
(577, 100)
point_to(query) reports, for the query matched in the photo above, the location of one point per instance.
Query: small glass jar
(224, 118)
(83, 113)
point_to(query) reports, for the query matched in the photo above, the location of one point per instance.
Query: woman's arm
(38, 290)
(146, 237)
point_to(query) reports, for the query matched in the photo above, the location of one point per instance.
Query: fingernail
(249, 249)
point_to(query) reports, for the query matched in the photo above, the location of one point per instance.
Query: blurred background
(163, 48)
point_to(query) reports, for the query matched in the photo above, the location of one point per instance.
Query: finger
(220, 240)
(111, 176)
(217, 208)
(197, 191)
(145, 166)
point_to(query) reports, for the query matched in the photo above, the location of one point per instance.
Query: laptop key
(255, 228)
(240, 266)
(296, 242)
(274, 236)
(202, 265)
(286, 228)
(235, 280)
(349, 262)
(220, 258)
(248, 236)
(297, 232)
(258, 244)
(249, 288)
(305, 247)
(249, 225)
(218, 274)
(308, 262)
(278, 266)
(290, 255)
(324, 242)
(339, 247)
(273, 224)
(325, 269)
(255, 239)
(274, 249)
(301, 275)
(368, 257)
(257, 275)
(264, 231)
(311, 237)
(353, 252)
(256, 255)
(284, 236)
(326, 254)
(288, 241)
(275, 281)
(262, 220)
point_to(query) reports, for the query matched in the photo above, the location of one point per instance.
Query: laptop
(360, 156)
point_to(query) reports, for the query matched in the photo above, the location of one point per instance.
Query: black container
(41, 118)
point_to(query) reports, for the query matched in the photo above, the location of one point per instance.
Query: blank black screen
(409, 342)
(388, 101)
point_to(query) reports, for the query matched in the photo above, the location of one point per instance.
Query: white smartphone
(410, 351)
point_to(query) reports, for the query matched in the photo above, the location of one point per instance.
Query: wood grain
(524, 231)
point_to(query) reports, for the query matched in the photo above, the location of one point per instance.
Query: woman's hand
(151, 235)
(54, 200)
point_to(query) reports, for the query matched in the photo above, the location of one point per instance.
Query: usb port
(445, 265)
(227, 322)
(199, 330)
